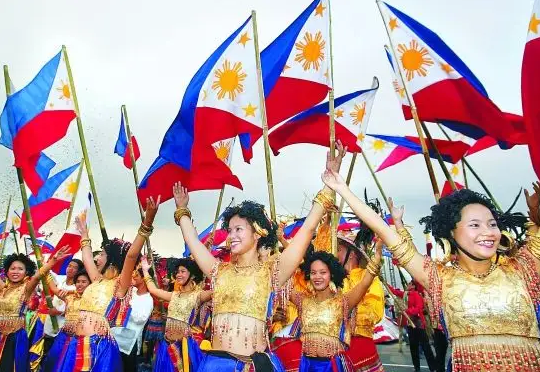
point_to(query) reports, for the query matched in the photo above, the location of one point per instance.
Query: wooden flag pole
(376, 179)
(218, 209)
(5, 228)
(14, 233)
(473, 172)
(78, 181)
(264, 120)
(417, 123)
(348, 181)
(30, 224)
(439, 157)
(84, 148)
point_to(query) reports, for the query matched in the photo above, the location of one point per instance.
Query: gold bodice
(179, 312)
(73, 305)
(98, 295)
(496, 305)
(322, 323)
(12, 301)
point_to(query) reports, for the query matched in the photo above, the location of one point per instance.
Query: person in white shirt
(129, 338)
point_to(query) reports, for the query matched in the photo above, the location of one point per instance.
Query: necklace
(238, 268)
(492, 268)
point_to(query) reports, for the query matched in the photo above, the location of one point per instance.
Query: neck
(472, 266)
(69, 281)
(324, 294)
(141, 289)
(250, 257)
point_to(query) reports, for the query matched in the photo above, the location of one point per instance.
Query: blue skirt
(217, 361)
(169, 356)
(57, 352)
(14, 344)
(91, 353)
(338, 363)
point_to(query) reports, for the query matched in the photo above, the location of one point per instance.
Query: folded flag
(122, 145)
(36, 117)
(443, 88)
(351, 113)
(54, 197)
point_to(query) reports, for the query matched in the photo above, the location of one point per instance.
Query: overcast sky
(143, 54)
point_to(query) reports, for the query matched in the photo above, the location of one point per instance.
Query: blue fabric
(51, 185)
(22, 361)
(308, 364)
(121, 143)
(104, 353)
(202, 235)
(55, 356)
(37, 337)
(163, 360)
(214, 363)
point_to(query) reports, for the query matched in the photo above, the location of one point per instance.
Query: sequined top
(181, 307)
(73, 304)
(325, 330)
(370, 310)
(93, 306)
(12, 305)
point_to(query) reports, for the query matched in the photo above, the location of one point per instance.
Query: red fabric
(530, 82)
(362, 352)
(289, 351)
(415, 305)
(42, 213)
(447, 189)
(136, 153)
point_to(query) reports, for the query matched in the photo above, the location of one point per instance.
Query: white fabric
(141, 309)
(59, 305)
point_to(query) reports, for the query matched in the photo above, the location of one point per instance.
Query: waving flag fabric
(530, 81)
(220, 102)
(443, 88)
(296, 69)
(220, 236)
(72, 237)
(122, 145)
(351, 113)
(54, 197)
(290, 230)
(36, 117)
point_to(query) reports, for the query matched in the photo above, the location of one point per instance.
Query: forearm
(202, 256)
(88, 260)
(154, 290)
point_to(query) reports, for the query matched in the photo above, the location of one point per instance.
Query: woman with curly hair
(104, 301)
(21, 281)
(325, 311)
(488, 307)
(180, 332)
(245, 288)
(72, 300)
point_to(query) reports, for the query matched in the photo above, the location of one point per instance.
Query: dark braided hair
(337, 272)
(29, 265)
(253, 212)
(116, 250)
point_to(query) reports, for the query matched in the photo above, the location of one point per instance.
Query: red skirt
(289, 351)
(363, 354)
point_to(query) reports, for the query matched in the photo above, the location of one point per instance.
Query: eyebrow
(477, 220)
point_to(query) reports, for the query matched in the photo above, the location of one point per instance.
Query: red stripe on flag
(42, 213)
(530, 83)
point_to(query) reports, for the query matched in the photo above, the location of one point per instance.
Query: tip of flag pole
(253, 12)
(123, 107)
(375, 83)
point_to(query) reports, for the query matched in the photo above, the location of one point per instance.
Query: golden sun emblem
(415, 59)
(358, 113)
(455, 171)
(310, 51)
(222, 149)
(65, 92)
(229, 80)
(378, 145)
(71, 187)
(16, 221)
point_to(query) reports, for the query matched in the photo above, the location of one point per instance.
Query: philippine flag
(36, 117)
(122, 145)
(72, 237)
(351, 113)
(220, 236)
(54, 197)
(296, 69)
(443, 88)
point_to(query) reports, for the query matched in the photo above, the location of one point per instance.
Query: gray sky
(143, 54)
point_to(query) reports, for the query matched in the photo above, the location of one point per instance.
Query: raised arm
(160, 294)
(295, 252)
(44, 271)
(182, 217)
(86, 250)
(281, 236)
(145, 230)
(357, 293)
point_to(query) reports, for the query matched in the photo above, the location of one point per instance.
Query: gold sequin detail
(12, 300)
(73, 304)
(179, 312)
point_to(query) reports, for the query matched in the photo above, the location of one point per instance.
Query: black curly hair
(253, 212)
(81, 273)
(79, 263)
(446, 215)
(116, 250)
(195, 272)
(28, 263)
(337, 272)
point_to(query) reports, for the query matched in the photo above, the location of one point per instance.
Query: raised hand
(335, 164)
(151, 210)
(82, 227)
(333, 179)
(145, 265)
(533, 202)
(181, 196)
(378, 251)
(396, 212)
(61, 254)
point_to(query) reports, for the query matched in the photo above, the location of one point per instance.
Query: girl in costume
(325, 312)
(72, 300)
(489, 307)
(245, 288)
(179, 350)
(21, 281)
(93, 348)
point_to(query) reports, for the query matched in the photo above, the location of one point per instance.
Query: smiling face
(81, 283)
(101, 260)
(319, 275)
(477, 232)
(72, 269)
(182, 276)
(241, 236)
(16, 272)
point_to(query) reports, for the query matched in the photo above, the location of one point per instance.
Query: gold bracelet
(144, 234)
(86, 241)
(145, 228)
(42, 272)
(49, 278)
(404, 233)
(181, 212)
(148, 279)
(373, 269)
(325, 199)
(403, 251)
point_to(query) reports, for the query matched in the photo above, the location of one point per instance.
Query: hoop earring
(511, 242)
(332, 287)
(447, 250)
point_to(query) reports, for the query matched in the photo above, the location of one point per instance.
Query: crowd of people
(268, 304)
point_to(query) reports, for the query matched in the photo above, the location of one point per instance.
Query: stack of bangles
(533, 240)
(86, 242)
(405, 250)
(325, 199)
(181, 212)
(145, 231)
(374, 268)
(148, 279)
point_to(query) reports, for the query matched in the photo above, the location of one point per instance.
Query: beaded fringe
(11, 324)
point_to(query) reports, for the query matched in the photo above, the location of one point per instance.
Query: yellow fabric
(185, 354)
(370, 310)
(323, 239)
(97, 296)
